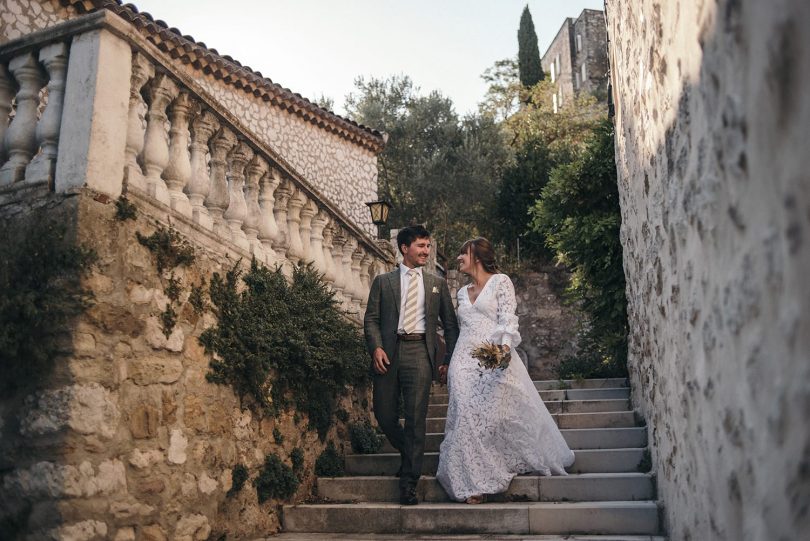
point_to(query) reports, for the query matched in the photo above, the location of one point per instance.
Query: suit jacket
(382, 314)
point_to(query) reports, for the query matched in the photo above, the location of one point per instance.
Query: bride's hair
(481, 250)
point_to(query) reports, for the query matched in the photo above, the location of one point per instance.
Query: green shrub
(197, 298)
(124, 210)
(278, 437)
(579, 215)
(364, 438)
(41, 292)
(168, 247)
(283, 344)
(342, 415)
(276, 480)
(239, 475)
(329, 463)
(297, 460)
(168, 319)
(173, 288)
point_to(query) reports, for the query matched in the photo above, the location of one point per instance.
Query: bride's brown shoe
(474, 500)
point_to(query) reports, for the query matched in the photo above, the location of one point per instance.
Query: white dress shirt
(404, 283)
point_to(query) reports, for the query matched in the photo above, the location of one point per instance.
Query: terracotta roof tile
(231, 71)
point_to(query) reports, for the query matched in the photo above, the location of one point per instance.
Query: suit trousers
(410, 374)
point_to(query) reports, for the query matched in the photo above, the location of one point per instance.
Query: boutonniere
(435, 289)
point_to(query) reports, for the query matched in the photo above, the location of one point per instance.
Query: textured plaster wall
(712, 123)
(21, 17)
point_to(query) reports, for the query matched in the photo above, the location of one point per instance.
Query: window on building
(576, 80)
(584, 75)
(560, 98)
(553, 78)
(554, 102)
(579, 42)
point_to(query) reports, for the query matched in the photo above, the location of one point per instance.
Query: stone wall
(126, 439)
(343, 172)
(712, 123)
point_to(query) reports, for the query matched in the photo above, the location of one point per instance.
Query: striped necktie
(409, 320)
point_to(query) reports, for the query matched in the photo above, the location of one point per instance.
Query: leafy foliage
(197, 298)
(297, 460)
(531, 72)
(364, 438)
(437, 169)
(239, 475)
(283, 344)
(579, 215)
(329, 463)
(168, 319)
(278, 437)
(276, 480)
(173, 288)
(41, 292)
(168, 247)
(124, 210)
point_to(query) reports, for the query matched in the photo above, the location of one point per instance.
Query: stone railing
(94, 105)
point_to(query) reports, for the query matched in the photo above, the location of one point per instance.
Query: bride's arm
(506, 332)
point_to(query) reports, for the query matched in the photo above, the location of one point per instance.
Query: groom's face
(416, 254)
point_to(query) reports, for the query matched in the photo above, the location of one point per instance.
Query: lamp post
(379, 212)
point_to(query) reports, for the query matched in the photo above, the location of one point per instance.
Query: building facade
(576, 61)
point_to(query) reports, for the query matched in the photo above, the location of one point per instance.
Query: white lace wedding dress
(497, 425)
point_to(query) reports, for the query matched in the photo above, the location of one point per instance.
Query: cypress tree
(531, 72)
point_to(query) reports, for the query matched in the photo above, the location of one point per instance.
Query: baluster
(21, 140)
(338, 241)
(203, 128)
(218, 198)
(296, 249)
(142, 71)
(42, 168)
(254, 171)
(237, 207)
(328, 262)
(160, 92)
(365, 279)
(6, 95)
(348, 281)
(268, 230)
(319, 221)
(357, 291)
(307, 213)
(178, 171)
(282, 243)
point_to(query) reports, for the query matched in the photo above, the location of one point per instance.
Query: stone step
(332, 536)
(587, 461)
(610, 419)
(577, 438)
(440, 396)
(573, 488)
(551, 384)
(625, 518)
(559, 406)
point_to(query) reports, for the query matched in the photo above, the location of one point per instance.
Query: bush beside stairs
(608, 496)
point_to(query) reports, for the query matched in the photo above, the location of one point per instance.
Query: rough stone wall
(345, 173)
(127, 440)
(21, 17)
(590, 25)
(562, 46)
(712, 124)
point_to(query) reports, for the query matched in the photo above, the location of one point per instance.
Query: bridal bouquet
(491, 356)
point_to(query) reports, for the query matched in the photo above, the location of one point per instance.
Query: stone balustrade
(181, 155)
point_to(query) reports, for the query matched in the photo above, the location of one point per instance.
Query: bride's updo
(481, 250)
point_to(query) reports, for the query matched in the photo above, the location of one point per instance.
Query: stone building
(576, 60)
(127, 439)
(712, 124)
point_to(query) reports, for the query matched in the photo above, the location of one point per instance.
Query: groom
(404, 307)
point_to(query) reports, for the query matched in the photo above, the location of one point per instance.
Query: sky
(318, 47)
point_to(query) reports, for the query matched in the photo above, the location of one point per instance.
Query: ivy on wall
(41, 292)
(283, 343)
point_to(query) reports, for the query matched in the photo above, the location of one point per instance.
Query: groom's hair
(409, 234)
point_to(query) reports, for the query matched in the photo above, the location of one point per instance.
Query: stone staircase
(605, 497)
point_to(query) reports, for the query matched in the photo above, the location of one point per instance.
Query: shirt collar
(403, 269)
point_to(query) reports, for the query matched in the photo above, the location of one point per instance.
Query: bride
(497, 425)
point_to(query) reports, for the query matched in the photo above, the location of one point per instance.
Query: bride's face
(464, 261)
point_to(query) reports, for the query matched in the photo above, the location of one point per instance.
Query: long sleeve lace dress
(497, 425)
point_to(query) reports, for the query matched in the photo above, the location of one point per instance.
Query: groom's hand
(443, 374)
(381, 361)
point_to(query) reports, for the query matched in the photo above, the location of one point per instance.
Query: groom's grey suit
(412, 363)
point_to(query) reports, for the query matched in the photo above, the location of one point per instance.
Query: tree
(437, 169)
(578, 213)
(531, 72)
